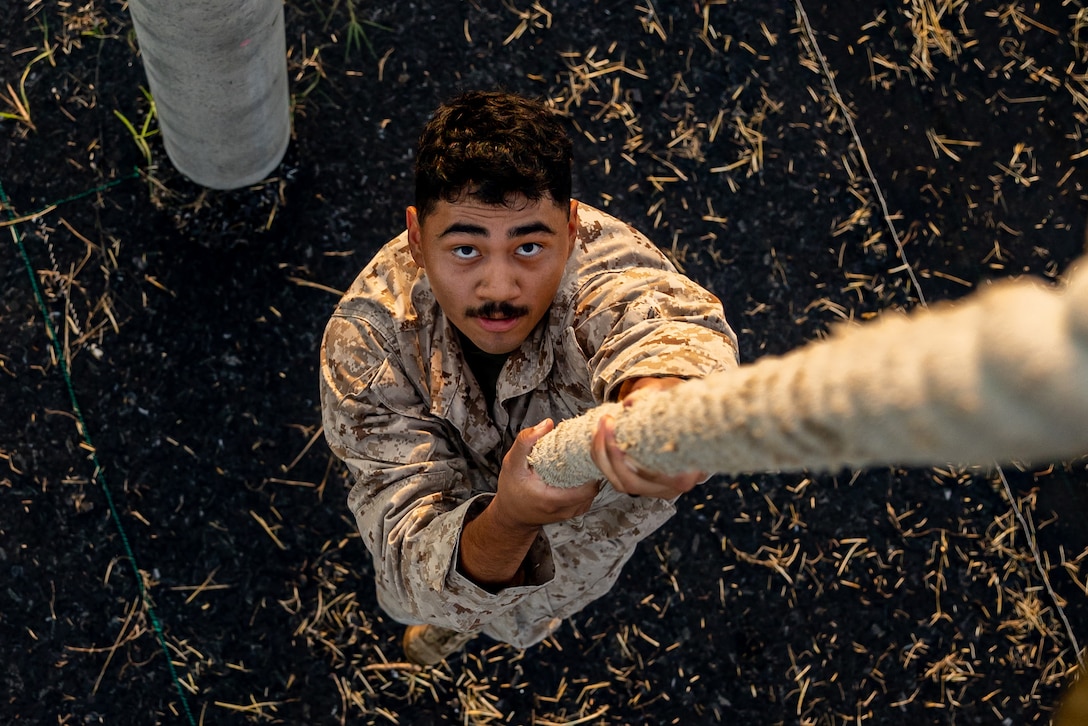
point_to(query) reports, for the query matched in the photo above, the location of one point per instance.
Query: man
(503, 307)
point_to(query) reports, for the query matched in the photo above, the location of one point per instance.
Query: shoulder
(390, 275)
(606, 242)
(386, 314)
(611, 262)
(391, 293)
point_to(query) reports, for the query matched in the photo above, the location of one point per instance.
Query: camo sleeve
(635, 316)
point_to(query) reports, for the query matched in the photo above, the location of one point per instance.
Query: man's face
(494, 270)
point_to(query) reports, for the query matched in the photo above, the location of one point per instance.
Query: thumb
(528, 437)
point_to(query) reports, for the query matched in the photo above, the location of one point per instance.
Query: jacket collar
(457, 398)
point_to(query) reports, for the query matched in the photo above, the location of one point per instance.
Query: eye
(530, 249)
(464, 252)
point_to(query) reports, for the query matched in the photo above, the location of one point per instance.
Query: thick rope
(848, 116)
(999, 376)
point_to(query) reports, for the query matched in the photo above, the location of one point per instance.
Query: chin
(502, 344)
(500, 348)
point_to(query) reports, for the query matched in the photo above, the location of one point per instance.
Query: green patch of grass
(355, 35)
(17, 101)
(141, 136)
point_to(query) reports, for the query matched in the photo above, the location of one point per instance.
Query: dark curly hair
(493, 146)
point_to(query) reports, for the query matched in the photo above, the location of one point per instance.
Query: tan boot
(430, 644)
(1073, 710)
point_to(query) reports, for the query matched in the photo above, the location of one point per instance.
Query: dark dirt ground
(190, 321)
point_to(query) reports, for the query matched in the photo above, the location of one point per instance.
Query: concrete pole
(218, 74)
(999, 376)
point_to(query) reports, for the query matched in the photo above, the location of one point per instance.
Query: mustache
(502, 309)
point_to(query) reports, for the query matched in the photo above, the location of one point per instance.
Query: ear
(572, 227)
(415, 235)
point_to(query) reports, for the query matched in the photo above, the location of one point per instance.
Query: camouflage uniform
(406, 414)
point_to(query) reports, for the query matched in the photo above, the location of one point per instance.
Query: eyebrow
(464, 228)
(476, 230)
(531, 228)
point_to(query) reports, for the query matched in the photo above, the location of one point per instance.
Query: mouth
(499, 324)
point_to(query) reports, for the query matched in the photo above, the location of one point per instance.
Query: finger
(653, 483)
(534, 433)
(599, 450)
(518, 454)
(648, 386)
(620, 469)
(527, 438)
(624, 472)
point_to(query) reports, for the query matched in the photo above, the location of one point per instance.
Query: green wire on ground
(98, 474)
(13, 220)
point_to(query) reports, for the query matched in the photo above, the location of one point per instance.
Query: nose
(498, 283)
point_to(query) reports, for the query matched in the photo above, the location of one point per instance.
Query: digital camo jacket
(404, 412)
